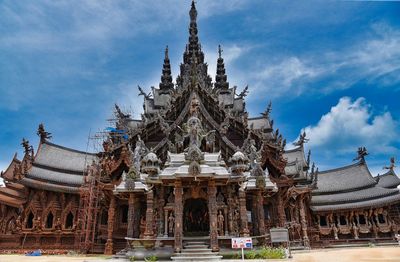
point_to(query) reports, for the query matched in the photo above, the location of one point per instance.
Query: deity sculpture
(220, 221)
(171, 224)
(57, 225)
(355, 231)
(37, 224)
(335, 231)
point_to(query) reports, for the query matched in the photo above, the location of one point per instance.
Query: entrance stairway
(196, 251)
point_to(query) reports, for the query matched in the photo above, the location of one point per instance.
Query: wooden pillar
(244, 231)
(303, 222)
(161, 203)
(110, 229)
(131, 215)
(213, 212)
(281, 211)
(165, 223)
(260, 213)
(178, 215)
(149, 232)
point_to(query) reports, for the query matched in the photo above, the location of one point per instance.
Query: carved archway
(196, 219)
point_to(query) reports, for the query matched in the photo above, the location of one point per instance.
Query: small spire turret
(221, 77)
(194, 47)
(166, 77)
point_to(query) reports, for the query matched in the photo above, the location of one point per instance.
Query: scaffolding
(89, 202)
(90, 194)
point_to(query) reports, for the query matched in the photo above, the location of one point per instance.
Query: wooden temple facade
(195, 165)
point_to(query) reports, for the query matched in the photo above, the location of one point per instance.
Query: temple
(196, 169)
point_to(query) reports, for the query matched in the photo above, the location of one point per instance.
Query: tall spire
(166, 77)
(194, 46)
(221, 78)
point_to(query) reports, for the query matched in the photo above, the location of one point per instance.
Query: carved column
(111, 217)
(260, 209)
(281, 211)
(212, 210)
(303, 222)
(165, 223)
(244, 231)
(149, 233)
(161, 204)
(131, 215)
(178, 215)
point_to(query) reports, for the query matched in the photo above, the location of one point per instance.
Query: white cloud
(374, 58)
(351, 124)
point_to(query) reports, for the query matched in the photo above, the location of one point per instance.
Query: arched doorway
(196, 221)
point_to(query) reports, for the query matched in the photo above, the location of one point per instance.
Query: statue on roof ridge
(244, 93)
(361, 153)
(119, 113)
(392, 164)
(142, 93)
(302, 140)
(267, 111)
(42, 133)
(28, 149)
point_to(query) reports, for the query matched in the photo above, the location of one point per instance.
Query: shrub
(251, 254)
(151, 258)
(132, 258)
(271, 253)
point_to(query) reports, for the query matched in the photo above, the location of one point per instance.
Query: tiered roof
(58, 168)
(351, 187)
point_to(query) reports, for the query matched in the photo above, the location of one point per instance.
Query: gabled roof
(12, 195)
(347, 178)
(352, 187)
(63, 158)
(389, 179)
(8, 174)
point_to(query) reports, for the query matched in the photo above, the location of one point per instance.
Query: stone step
(197, 250)
(195, 243)
(194, 254)
(197, 259)
(195, 246)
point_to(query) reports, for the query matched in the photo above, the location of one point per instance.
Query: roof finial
(166, 53)
(361, 153)
(193, 12)
(392, 164)
(220, 51)
(302, 139)
(42, 133)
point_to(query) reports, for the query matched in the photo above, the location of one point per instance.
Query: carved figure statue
(230, 222)
(355, 231)
(37, 224)
(138, 153)
(18, 224)
(236, 220)
(171, 224)
(302, 139)
(335, 231)
(220, 223)
(57, 225)
(11, 226)
(42, 133)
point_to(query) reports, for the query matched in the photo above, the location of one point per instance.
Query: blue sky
(331, 67)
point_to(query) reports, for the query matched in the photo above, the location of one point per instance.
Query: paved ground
(381, 254)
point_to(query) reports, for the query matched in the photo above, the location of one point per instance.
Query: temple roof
(63, 158)
(8, 174)
(12, 195)
(296, 165)
(388, 180)
(352, 187)
(347, 178)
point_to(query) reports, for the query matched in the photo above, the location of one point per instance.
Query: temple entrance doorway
(196, 221)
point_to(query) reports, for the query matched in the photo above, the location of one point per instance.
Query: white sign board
(242, 242)
(279, 235)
